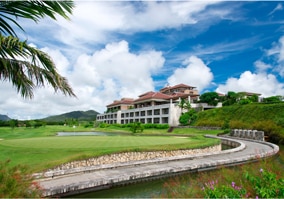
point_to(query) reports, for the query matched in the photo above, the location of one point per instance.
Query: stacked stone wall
(248, 134)
(134, 156)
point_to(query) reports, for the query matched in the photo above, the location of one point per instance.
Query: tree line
(213, 98)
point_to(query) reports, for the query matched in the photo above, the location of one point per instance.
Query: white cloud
(261, 66)
(96, 21)
(196, 73)
(277, 8)
(62, 63)
(277, 53)
(263, 80)
(265, 84)
(108, 74)
(116, 67)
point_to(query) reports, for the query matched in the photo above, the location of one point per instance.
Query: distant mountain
(4, 118)
(79, 115)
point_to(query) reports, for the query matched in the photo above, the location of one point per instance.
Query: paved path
(106, 178)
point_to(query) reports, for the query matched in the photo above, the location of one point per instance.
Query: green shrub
(15, 182)
(264, 185)
(188, 117)
(136, 127)
(155, 126)
(103, 125)
(213, 190)
(244, 101)
(149, 126)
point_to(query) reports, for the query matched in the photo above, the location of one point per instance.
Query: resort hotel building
(152, 107)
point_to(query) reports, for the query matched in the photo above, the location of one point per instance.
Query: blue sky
(109, 50)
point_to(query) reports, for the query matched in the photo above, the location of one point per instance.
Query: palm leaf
(27, 67)
(34, 10)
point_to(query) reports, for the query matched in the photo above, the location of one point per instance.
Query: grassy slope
(245, 113)
(266, 117)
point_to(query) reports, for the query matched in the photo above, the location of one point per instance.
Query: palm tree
(24, 66)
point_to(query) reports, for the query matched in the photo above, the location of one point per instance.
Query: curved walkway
(102, 178)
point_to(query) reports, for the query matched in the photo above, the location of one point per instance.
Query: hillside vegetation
(266, 117)
(78, 115)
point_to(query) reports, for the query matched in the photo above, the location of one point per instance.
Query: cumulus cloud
(195, 73)
(262, 83)
(103, 19)
(264, 79)
(261, 66)
(115, 66)
(110, 73)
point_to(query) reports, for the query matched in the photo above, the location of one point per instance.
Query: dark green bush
(188, 117)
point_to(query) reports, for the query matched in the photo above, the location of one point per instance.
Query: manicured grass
(40, 149)
(91, 142)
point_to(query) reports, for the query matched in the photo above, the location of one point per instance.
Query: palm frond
(34, 10)
(27, 67)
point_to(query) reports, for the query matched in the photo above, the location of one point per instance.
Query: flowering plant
(213, 190)
(266, 185)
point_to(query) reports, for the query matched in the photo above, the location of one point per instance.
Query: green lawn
(40, 149)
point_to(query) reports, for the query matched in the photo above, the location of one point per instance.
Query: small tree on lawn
(136, 127)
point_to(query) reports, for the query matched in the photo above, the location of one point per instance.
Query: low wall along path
(119, 159)
(249, 134)
(80, 176)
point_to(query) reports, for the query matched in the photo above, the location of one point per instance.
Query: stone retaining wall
(76, 166)
(248, 134)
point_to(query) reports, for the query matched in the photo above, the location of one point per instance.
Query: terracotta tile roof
(177, 95)
(220, 94)
(176, 86)
(122, 101)
(147, 93)
(152, 95)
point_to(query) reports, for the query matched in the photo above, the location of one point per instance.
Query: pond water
(149, 189)
(86, 134)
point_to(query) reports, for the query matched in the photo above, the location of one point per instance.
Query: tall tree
(24, 66)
